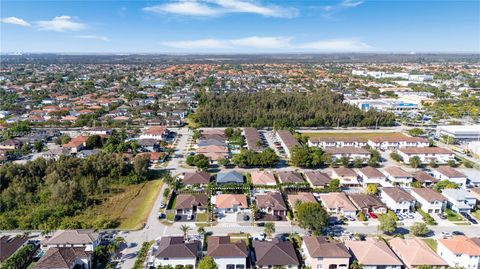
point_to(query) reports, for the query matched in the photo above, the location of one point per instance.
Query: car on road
(446, 234)
(457, 233)
(246, 217)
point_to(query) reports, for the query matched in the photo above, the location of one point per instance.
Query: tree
(371, 189)
(185, 229)
(357, 163)
(269, 229)
(397, 157)
(419, 229)
(207, 262)
(345, 161)
(416, 132)
(166, 192)
(452, 163)
(415, 162)
(94, 141)
(201, 231)
(312, 216)
(223, 161)
(201, 161)
(38, 146)
(334, 185)
(387, 224)
(355, 265)
(445, 184)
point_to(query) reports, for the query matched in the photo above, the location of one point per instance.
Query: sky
(240, 26)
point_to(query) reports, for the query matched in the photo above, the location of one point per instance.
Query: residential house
(459, 251)
(414, 252)
(427, 154)
(368, 203)
(252, 138)
(148, 144)
(351, 153)
(397, 142)
(227, 254)
(290, 177)
(319, 253)
(373, 254)
(227, 177)
(175, 251)
(317, 179)
(10, 244)
(65, 258)
(450, 174)
(459, 200)
(76, 144)
(371, 175)
(213, 152)
(430, 200)
(274, 253)
(338, 203)
(397, 199)
(398, 177)
(188, 204)
(230, 203)
(302, 197)
(196, 178)
(10, 144)
(272, 204)
(347, 176)
(263, 178)
(337, 142)
(424, 178)
(87, 239)
(155, 132)
(287, 140)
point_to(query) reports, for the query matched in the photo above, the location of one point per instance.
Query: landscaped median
(142, 255)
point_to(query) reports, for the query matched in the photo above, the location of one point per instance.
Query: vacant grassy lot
(130, 205)
(362, 135)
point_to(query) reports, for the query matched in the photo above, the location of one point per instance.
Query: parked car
(457, 233)
(190, 217)
(469, 218)
(442, 216)
(372, 215)
(161, 216)
(162, 206)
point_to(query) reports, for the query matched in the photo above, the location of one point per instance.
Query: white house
(427, 154)
(450, 174)
(351, 153)
(338, 142)
(173, 251)
(371, 175)
(430, 200)
(460, 200)
(230, 203)
(397, 199)
(459, 251)
(227, 254)
(393, 142)
(398, 177)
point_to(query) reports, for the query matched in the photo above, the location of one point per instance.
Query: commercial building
(459, 132)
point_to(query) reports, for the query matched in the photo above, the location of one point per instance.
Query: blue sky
(240, 26)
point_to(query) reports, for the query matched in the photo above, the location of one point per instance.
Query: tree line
(43, 194)
(278, 109)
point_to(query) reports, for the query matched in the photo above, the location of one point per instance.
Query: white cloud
(15, 20)
(272, 43)
(351, 3)
(96, 37)
(207, 8)
(60, 24)
(336, 45)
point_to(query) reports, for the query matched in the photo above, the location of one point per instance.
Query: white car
(190, 217)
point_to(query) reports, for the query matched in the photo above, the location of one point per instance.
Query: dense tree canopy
(266, 108)
(42, 194)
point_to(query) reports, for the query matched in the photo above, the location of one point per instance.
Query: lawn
(362, 135)
(452, 216)
(476, 214)
(202, 217)
(130, 205)
(432, 243)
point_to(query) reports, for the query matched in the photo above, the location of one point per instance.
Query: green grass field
(130, 205)
(432, 243)
(361, 135)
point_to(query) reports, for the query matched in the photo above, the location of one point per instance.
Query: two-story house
(397, 199)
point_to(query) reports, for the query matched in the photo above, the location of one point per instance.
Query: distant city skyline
(240, 26)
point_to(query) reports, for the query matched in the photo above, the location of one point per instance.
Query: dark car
(457, 233)
(246, 217)
(261, 224)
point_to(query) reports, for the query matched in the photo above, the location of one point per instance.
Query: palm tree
(185, 229)
(269, 229)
